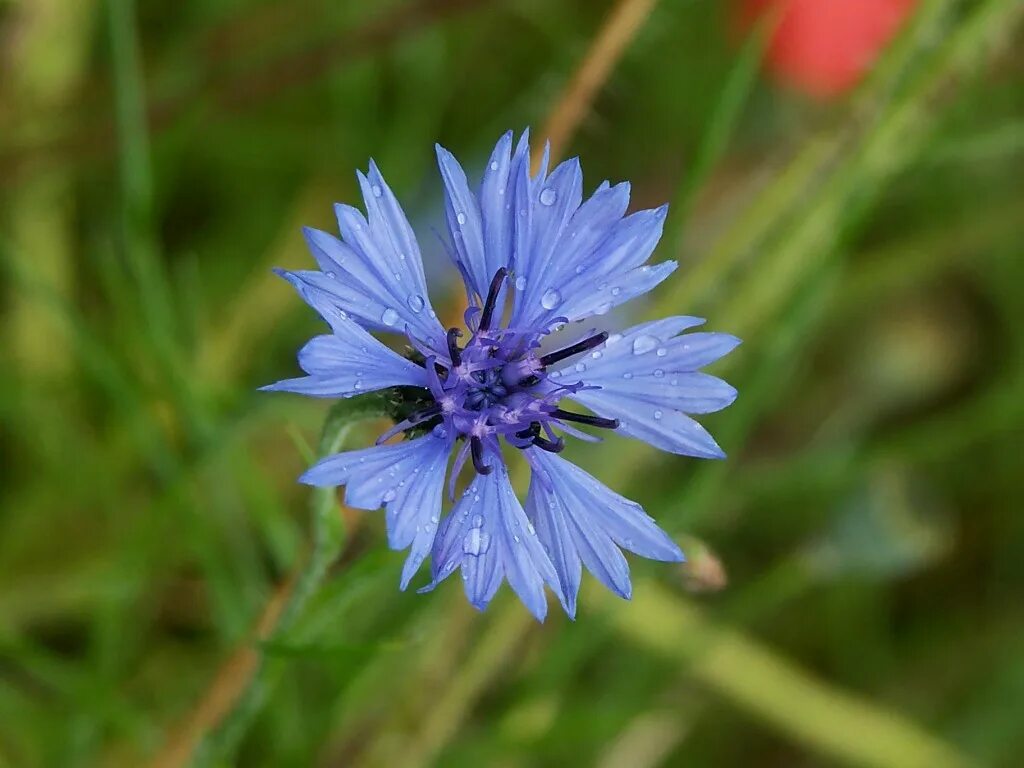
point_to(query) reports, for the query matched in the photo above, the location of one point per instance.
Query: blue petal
(489, 537)
(462, 210)
(375, 273)
(584, 259)
(486, 230)
(579, 518)
(595, 516)
(348, 362)
(406, 478)
(555, 201)
(647, 378)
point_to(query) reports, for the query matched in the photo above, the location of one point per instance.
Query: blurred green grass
(157, 159)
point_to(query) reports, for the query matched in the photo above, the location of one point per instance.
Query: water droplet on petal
(461, 218)
(580, 269)
(389, 496)
(389, 317)
(643, 344)
(658, 414)
(596, 355)
(520, 283)
(548, 196)
(551, 299)
(478, 520)
(331, 274)
(658, 373)
(613, 339)
(358, 385)
(415, 302)
(471, 542)
(377, 191)
(580, 367)
(627, 375)
(494, 166)
(616, 291)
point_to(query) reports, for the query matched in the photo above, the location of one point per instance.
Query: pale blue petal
(489, 537)
(348, 362)
(584, 259)
(406, 478)
(595, 515)
(396, 293)
(462, 210)
(557, 537)
(555, 201)
(648, 379)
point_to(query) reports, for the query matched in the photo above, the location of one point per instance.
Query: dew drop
(389, 317)
(520, 283)
(580, 269)
(377, 191)
(580, 367)
(357, 385)
(331, 274)
(596, 354)
(662, 351)
(476, 542)
(389, 496)
(415, 302)
(658, 373)
(658, 414)
(616, 291)
(494, 166)
(613, 339)
(643, 344)
(461, 218)
(627, 375)
(478, 520)
(551, 299)
(548, 196)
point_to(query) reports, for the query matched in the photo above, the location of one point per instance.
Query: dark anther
(583, 418)
(476, 447)
(575, 349)
(492, 298)
(529, 381)
(453, 346)
(551, 446)
(530, 432)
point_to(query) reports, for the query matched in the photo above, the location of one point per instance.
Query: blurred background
(845, 179)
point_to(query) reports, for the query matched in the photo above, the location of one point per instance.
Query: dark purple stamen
(530, 432)
(583, 418)
(453, 346)
(575, 349)
(476, 447)
(492, 298)
(551, 446)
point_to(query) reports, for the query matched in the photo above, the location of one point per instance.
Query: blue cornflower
(534, 244)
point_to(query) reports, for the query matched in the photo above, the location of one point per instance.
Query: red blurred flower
(824, 47)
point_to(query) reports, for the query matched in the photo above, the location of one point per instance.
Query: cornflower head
(534, 257)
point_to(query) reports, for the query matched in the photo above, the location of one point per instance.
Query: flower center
(497, 386)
